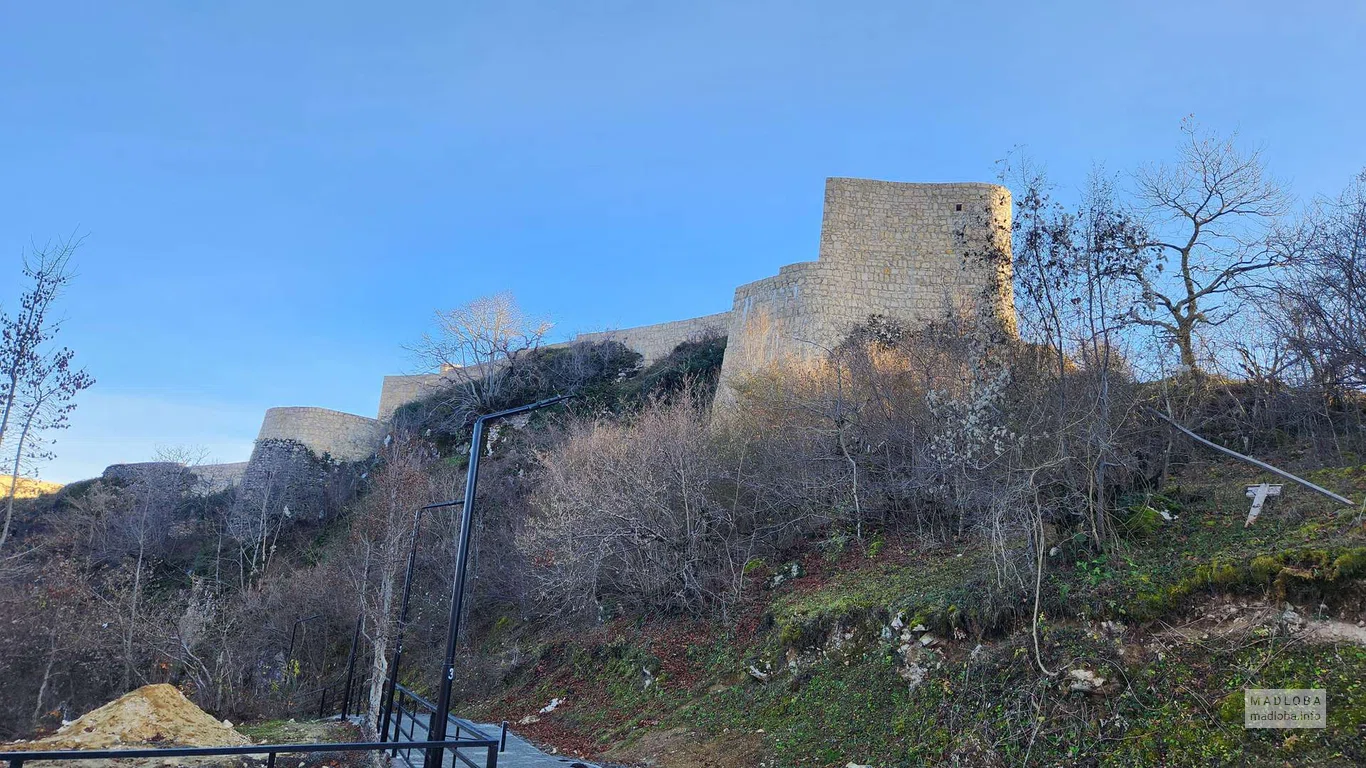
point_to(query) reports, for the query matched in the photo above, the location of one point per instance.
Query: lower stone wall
(651, 341)
(343, 436)
(397, 391)
(656, 341)
(217, 477)
(207, 478)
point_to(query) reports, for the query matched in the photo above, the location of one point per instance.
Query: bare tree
(382, 527)
(476, 348)
(37, 382)
(1325, 302)
(1214, 216)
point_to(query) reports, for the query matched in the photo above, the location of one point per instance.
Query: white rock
(1085, 680)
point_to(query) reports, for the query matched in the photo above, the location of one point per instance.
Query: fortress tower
(911, 252)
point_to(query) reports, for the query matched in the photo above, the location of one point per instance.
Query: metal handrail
(17, 759)
(468, 725)
(421, 706)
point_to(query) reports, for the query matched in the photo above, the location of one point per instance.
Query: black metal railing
(411, 724)
(489, 746)
(353, 705)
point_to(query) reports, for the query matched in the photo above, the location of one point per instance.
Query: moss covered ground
(833, 666)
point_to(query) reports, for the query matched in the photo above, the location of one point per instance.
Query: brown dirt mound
(152, 716)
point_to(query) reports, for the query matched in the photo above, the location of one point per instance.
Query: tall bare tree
(37, 381)
(1214, 215)
(1325, 302)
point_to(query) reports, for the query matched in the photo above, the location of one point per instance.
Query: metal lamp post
(437, 728)
(402, 621)
(293, 633)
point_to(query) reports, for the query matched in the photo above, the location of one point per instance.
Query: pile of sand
(151, 716)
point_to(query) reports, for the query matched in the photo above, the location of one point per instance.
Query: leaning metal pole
(1254, 462)
(401, 622)
(437, 727)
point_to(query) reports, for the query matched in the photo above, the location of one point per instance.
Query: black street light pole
(402, 621)
(293, 633)
(437, 727)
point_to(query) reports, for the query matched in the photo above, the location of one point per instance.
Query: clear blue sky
(278, 194)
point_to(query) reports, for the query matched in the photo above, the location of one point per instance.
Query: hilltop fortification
(911, 252)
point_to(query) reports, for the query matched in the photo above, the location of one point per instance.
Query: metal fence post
(443, 699)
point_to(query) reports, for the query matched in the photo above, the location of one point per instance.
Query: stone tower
(913, 252)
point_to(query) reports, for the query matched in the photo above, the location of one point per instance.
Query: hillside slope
(895, 653)
(27, 487)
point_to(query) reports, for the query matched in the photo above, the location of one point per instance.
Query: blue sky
(277, 195)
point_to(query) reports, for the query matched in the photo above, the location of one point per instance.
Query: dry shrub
(626, 512)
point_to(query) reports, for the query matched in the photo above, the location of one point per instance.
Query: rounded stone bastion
(343, 436)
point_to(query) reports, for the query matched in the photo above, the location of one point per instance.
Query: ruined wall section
(343, 436)
(658, 340)
(651, 341)
(398, 391)
(914, 252)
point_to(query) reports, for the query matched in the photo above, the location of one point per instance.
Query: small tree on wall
(477, 346)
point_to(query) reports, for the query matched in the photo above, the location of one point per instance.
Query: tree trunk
(14, 481)
(47, 676)
(132, 623)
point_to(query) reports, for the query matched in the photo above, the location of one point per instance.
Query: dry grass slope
(28, 488)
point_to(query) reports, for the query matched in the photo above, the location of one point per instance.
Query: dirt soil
(152, 716)
(685, 748)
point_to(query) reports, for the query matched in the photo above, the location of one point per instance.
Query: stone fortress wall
(907, 251)
(656, 341)
(343, 436)
(206, 478)
(650, 341)
(913, 252)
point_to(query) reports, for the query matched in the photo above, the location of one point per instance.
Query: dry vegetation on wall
(935, 543)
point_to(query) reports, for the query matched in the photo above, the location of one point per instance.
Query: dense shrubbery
(605, 377)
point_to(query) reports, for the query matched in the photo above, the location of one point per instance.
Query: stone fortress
(906, 251)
